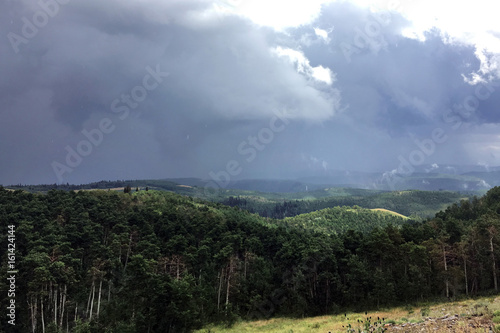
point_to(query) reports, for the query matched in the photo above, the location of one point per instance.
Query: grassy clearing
(390, 212)
(486, 308)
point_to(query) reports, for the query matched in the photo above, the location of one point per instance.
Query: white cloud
(322, 34)
(278, 14)
(296, 57)
(319, 73)
(464, 22)
(483, 183)
(434, 166)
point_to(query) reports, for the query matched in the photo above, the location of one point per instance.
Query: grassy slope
(390, 212)
(424, 316)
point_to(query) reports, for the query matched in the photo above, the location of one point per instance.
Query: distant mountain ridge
(295, 197)
(426, 178)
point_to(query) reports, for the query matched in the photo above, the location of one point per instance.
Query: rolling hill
(338, 220)
(415, 203)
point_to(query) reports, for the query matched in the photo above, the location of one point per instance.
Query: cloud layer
(185, 86)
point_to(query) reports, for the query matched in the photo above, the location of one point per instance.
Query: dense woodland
(148, 261)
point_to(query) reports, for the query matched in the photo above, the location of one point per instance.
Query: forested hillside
(418, 204)
(415, 203)
(152, 261)
(338, 220)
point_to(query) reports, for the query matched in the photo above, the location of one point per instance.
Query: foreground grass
(486, 307)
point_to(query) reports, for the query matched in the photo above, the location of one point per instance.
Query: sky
(232, 89)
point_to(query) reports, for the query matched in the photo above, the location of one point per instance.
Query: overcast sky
(103, 90)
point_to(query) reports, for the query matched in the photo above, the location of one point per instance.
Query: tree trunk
(55, 304)
(67, 322)
(76, 311)
(446, 273)
(88, 301)
(49, 302)
(63, 305)
(92, 301)
(34, 311)
(232, 263)
(220, 288)
(493, 264)
(99, 299)
(43, 320)
(228, 284)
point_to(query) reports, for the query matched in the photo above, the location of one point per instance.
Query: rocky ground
(447, 323)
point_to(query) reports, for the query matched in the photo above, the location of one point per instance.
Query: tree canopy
(149, 261)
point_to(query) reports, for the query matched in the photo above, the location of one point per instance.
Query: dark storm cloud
(221, 70)
(226, 80)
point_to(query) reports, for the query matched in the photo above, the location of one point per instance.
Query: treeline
(414, 203)
(419, 204)
(104, 185)
(158, 262)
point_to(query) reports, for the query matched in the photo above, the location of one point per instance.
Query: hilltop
(338, 220)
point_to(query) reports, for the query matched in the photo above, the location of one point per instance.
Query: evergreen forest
(152, 261)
